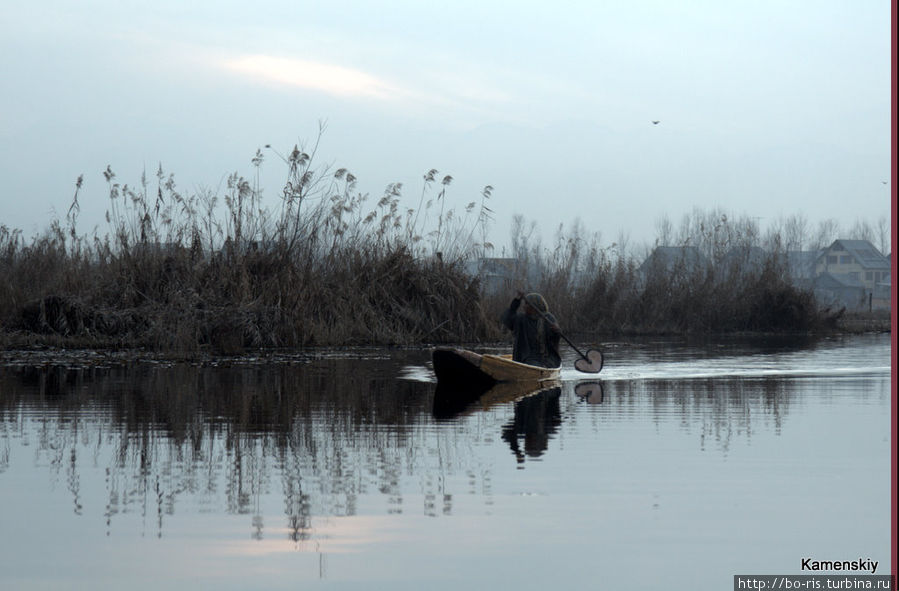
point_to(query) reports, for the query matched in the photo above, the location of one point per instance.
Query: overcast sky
(766, 108)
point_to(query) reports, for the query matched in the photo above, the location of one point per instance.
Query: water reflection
(590, 391)
(536, 419)
(320, 436)
(166, 434)
(332, 437)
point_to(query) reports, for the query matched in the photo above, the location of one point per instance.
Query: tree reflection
(323, 436)
(327, 435)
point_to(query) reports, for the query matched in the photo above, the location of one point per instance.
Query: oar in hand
(591, 362)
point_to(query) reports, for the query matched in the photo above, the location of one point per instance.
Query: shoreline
(35, 350)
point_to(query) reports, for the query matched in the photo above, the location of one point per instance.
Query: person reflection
(536, 419)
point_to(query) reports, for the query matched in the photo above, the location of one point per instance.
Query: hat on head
(536, 301)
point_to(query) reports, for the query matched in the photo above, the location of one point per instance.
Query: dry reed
(332, 266)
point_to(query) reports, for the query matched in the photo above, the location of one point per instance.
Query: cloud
(322, 77)
(456, 93)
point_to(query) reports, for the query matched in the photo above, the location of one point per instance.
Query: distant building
(856, 258)
(745, 258)
(838, 290)
(881, 297)
(852, 274)
(801, 263)
(849, 273)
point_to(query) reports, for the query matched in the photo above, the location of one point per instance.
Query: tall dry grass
(185, 273)
(220, 271)
(721, 275)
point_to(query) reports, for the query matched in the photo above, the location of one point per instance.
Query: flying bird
(655, 122)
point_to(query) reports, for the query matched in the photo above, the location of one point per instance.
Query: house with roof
(882, 296)
(801, 263)
(855, 273)
(850, 274)
(857, 259)
(745, 259)
(839, 291)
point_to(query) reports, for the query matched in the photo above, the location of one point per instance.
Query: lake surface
(679, 466)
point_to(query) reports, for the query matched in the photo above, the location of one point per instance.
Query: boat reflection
(452, 400)
(537, 415)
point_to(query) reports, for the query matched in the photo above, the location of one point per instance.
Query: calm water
(682, 466)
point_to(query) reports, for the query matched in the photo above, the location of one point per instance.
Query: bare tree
(862, 230)
(796, 232)
(522, 236)
(884, 234)
(828, 231)
(664, 231)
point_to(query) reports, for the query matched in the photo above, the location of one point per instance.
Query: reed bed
(223, 273)
(715, 275)
(220, 272)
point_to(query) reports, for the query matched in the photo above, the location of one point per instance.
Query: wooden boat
(463, 367)
(465, 377)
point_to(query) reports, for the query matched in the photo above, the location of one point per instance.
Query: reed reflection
(323, 437)
(720, 410)
(317, 434)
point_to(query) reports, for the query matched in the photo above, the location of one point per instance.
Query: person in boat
(535, 332)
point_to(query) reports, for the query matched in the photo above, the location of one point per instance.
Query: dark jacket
(527, 345)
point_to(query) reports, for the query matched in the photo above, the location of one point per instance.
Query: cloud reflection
(333, 535)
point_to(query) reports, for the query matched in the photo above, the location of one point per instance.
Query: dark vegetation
(222, 274)
(717, 279)
(173, 275)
